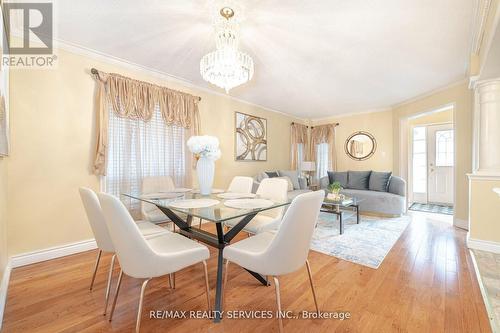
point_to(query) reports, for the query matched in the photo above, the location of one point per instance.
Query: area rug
(366, 243)
(432, 208)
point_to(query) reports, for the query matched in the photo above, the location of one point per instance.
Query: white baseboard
(4, 287)
(52, 253)
(482, 245)
(459, 223)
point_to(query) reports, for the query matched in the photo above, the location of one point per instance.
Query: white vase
(205, 168)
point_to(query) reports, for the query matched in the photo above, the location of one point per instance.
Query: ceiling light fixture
(226, 67)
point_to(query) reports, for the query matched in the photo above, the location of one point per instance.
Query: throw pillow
(293, 175)
(341, 177)
(379, 181)
(358, 180)
(290, 185)
(272, 174)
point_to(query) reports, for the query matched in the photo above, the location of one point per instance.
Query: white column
(487, 132)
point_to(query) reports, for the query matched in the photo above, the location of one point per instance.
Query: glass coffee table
(341, 208)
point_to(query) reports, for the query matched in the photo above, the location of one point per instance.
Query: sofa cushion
(379, 181)
(358, 180)
(341, 177)
(378, 202)
(272, 174)
(293, 175)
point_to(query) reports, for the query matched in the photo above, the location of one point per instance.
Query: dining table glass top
(218, 212)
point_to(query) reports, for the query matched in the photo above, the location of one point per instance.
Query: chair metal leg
(139, 310)
(278, 301)
(207, 287)
(173, 280)
(108, 287)
(170, 281)
(95, 268)
(118, 284)
(199, 225)
(312, 285)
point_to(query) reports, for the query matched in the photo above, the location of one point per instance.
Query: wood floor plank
(425, 284)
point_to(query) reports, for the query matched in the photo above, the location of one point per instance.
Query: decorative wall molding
(430, 93)
(482, 245)
(52, 253)
(484, 176)
(106, 58)
(4, 287)
(480, 16)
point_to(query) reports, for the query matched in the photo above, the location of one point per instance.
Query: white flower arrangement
(204, 146)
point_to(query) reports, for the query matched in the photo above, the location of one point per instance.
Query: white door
(440, 157)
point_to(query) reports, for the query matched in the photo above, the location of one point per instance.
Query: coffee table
(339, 208)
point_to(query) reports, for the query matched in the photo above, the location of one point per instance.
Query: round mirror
(360, 146)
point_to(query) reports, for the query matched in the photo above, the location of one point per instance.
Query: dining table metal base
(219, 241)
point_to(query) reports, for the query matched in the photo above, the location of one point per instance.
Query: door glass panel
(419, 166)
(444, 148)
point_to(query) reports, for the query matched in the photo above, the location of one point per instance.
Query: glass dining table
(217, 213)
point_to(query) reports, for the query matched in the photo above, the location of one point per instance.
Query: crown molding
(431, 92)
(107, 58)
(481, 12)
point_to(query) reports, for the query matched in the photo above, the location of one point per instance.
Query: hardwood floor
(425, 284)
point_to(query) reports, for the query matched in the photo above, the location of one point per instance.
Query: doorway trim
(404, 151)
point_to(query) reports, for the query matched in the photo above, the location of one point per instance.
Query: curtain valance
(324, 134)
(135, 99)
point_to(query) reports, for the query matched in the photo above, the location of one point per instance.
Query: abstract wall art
(251, 138)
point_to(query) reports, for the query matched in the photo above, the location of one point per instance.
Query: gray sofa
(299, 188)
(389, 200)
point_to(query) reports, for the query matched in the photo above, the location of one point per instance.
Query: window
(322, 160)
(419, 166)
(139, 149)
(444, 148)
(300, 156)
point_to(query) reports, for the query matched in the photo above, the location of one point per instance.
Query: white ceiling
(313, 59)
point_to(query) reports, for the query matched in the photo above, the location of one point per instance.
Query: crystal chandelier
(226, 67)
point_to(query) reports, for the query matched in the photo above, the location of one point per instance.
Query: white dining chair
(282, 252)
(152, 185)
(240, 184)
(101, 234)
(162, 255)
(272, 189)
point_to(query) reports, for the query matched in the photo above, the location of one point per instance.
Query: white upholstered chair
(162, 255)
(152, 185)
(272, 189)
(101, 234)
(241, 184)
(282, 252)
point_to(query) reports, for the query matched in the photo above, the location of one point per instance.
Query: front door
(440, 159)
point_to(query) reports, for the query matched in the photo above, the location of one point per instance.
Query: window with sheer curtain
(322, 160)
(138, 149)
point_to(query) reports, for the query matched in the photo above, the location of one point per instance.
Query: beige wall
(379, 124)
(442, 117)
(484, 205)
(52, 121)
(460, 96)
(3, 217)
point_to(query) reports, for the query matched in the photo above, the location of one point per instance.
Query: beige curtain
(134, 99)
(324, 134)
(298, 136)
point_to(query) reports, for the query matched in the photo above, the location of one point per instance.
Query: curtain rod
(336, 124)
(96, 72)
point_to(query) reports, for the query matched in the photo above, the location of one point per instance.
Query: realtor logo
(28, 35)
